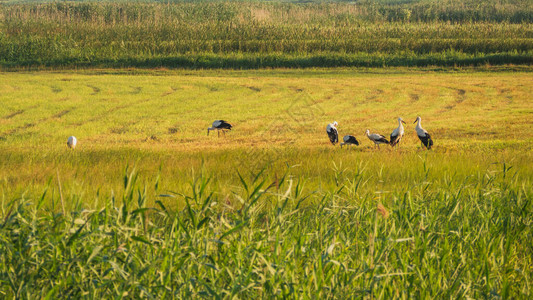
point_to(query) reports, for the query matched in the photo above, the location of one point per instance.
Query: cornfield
(256, 34)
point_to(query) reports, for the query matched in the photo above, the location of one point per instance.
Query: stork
(333, 135)
(71, 142)
(423, 135)
(376, 138)
(220, 125)
(397, 134)
(349, 140)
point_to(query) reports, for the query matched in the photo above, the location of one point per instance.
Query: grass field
(159, 120)
(147, 205)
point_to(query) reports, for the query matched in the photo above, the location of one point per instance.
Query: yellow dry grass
(157, 121)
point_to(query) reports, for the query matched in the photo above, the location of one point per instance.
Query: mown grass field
(147, 205)
(159, 120)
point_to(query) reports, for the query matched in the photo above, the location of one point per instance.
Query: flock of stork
(395, 136)
(333, 134)
(331, 129)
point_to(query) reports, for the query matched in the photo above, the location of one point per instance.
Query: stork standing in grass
(220, 125)
(71, 142)
(423, 135)
(376, 138)
(349, 140)
(397, 134)
(333, 134)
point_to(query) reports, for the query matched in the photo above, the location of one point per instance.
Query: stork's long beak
(207, 131)
(403, 122)
(415, 121)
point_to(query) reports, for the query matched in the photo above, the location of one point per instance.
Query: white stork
(397, 134)
(349, 140)
(376, 138)
(220, 125)
(333, 135)
(71, 142)
(423, 135)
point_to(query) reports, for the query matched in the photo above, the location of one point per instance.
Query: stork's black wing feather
(224, 125)
(383, 139)
(394, 140)
(333, 136)
(426, 140)
(352, 140)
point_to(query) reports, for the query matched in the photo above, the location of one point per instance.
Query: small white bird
(397, 134)
(423, 135)
(220, 125)
(71, 142)
(349, 140)
(333, 134)
(376, 138)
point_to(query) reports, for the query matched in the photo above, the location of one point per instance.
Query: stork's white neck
(418, 125)
(400, 123)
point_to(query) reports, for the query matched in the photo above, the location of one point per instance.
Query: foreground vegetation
(255, 34)
(445, 236)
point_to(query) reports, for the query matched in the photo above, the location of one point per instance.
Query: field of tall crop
(149, 206)
(246, 35)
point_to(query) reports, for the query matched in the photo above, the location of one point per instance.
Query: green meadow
(157, 122)
(148, 206)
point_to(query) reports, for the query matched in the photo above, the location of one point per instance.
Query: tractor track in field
(172, 91)
(252, 88)
(125, 127)
(96, 90)
(507, 93)
(460, 97)
(55, 89)
(16, 113)
(373, 95)
(11, 115)
(60, 114)
(135, 90)
(18, 129)
(109, 111)
(461, 94)
(296, 89)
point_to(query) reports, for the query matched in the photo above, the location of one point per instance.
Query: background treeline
(263, 34)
